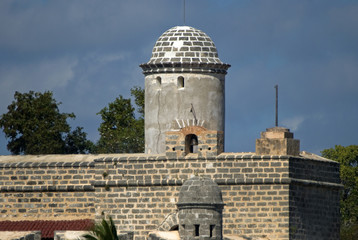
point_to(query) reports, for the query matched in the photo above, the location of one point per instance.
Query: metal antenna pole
(276, 119)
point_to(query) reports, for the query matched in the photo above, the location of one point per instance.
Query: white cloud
(293, 123)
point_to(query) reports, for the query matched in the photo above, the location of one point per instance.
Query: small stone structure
(200, 207)
(277, 141)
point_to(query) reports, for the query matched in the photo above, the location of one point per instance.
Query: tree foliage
(34, 125)
(348, 159)
(76, 142)
(105, 230)
(121, 131)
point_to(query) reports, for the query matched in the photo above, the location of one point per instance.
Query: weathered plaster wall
(167, 101)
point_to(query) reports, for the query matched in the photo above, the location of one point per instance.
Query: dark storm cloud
(88, 52)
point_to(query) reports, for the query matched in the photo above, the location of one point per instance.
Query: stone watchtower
(184, 86)
(200, 207)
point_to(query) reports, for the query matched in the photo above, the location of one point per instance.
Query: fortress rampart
(281, 197)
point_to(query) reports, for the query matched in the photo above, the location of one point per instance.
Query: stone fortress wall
(51, 187)
(281, 197)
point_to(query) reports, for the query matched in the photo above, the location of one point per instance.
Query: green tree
(138, 94)
(121, 131)
(76, 142)
(348, 159)
(34, 125)
(105, 230)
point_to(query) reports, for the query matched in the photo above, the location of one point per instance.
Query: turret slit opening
(180, 82)
(197, 226)
(191, 144)
(159, 81)
(212, 228)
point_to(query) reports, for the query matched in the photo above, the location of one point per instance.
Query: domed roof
(185, 45)
(199, 191)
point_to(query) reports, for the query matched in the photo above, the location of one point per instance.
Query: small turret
(277, 141)
(200, 207)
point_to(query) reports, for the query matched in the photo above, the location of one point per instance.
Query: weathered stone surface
(163, 235)
(184, 76)
(277, 141)
(198, 191)
(209, 143)
(69, 235)
(30, 235)
(140, 190)
(200, 207)
(233, 237)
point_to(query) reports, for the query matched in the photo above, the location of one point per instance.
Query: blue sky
(88, 51)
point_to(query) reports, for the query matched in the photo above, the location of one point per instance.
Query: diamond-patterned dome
(183, 44)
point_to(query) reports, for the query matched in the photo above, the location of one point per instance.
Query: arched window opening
(191, 143)
(180, 82)
(159, 81)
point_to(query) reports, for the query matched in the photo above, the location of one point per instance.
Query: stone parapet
(255, 188)
(140, 191)
(32, 190)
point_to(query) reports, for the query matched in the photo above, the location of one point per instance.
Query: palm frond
(104, 230)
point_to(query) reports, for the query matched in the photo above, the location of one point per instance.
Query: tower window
(159, 81)
(180, 82)
(212, 228)
(196, 230)
(191, 144)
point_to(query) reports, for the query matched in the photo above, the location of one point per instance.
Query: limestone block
(277, 141)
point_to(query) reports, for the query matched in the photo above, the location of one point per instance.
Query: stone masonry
(200, 207)
(282, 197)
(277, 141)
(41, 188)
(210, 143)
(184, 77)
